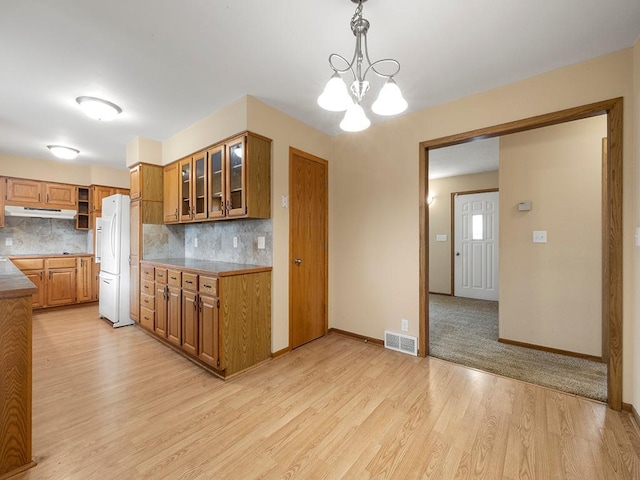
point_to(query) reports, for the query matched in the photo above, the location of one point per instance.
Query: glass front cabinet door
(217, 183)
(236, 192)
(199, 167)
(185, 189)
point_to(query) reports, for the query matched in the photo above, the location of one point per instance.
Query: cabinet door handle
(40, 276)
(195, 302)
(39, 198)
(176, 213)
(189, 282)
(206, 285)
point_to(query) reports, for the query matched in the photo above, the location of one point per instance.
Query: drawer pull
(206, 286)
(174, 278)
(189, 281)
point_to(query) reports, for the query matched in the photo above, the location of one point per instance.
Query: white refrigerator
(114, 260)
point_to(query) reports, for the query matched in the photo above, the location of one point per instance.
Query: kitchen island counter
(13, 282)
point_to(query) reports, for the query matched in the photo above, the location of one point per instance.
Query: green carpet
(465, 331)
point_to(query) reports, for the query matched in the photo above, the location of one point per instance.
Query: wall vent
(401, 343)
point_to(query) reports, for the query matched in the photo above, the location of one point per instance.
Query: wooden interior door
(308, 248)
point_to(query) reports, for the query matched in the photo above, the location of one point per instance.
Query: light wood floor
(116, 404)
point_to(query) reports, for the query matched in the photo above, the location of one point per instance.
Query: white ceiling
(170, 63)
(466, 158)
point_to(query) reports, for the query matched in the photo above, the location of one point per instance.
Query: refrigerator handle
(113, 233)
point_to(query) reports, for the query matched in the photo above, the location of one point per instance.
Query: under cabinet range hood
(12, 211)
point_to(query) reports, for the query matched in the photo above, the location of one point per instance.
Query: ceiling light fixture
(66, 153)
(99, 109)
(336, 97)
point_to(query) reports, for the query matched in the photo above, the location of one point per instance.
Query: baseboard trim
(551, 350)
(366, 339)
(443, 294)
(627, 407)
(279, 353)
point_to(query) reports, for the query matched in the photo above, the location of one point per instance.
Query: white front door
(476, 223)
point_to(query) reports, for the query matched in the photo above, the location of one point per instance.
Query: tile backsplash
(43, 236)
(215, 241)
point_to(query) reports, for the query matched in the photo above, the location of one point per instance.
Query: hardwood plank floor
(116, 404)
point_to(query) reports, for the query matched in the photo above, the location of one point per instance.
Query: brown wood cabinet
(146, 207)
(84, 279)
(193, 187)
(229, 180)
(63, 280)
(171, 206)
(222, 321)
(24, 192)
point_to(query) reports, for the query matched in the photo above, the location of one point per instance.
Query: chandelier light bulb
(390, 100)
(335, 96)
(65, 153)
(99, 109)
(355, 119)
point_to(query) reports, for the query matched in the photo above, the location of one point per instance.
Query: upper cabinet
(24, 192)
(171, 202)
(229, 180)
(193, 188)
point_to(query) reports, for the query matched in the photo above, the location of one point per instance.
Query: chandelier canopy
(337, 98)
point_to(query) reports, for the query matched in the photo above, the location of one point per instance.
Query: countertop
(221, 269)
(13, 283)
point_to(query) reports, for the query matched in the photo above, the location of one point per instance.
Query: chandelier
(336, 97)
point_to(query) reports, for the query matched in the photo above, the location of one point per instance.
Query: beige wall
(143, 150)
(440, 223)
(219, 125)
(374, 229)
(64, 172)
(550, 294)
(249, 113)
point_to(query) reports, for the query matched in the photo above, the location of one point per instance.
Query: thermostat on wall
(524, 206)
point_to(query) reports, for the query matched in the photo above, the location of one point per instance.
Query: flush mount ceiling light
(99, 109)
(66, 153)
(336, 97)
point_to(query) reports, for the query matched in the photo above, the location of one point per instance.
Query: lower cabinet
(224, 322)
(63, 280)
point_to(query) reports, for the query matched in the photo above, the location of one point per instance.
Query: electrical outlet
(261, 243)
(195, 242)
(8, 241)
(285, 201)
(235, 242)
(405, 325)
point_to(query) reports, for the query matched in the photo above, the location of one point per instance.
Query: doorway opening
(611, 294)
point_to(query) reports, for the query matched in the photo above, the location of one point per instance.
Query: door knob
(457, 254)
(297, 261)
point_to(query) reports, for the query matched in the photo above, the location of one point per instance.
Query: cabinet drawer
(147, 287)
(190, 281)
(209, 285)
(148, 301)
(147, 318)
(60, 262)
(161, 275)
(29, 263)
(174, 278)
(147, 273)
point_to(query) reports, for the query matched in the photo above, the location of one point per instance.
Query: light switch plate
(405, 325)
(539, 236)
(261, 243)
(235, 242)
(441, 237)
(8, 241)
